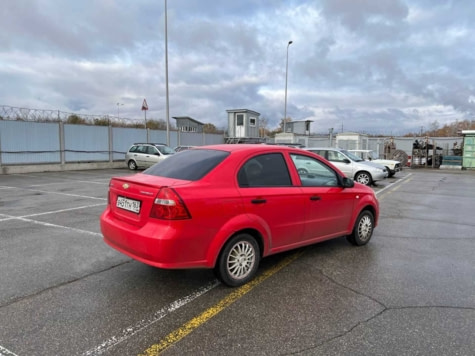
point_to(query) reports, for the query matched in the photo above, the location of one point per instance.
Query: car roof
(323, 148)
(249, 147)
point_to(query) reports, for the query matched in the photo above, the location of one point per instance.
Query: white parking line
(392, 185)
(69, 183)
(25, 219)
(62, 210)
(58, 226)
(6, 352)
(4, 217)
(160, 314)
(50, 192)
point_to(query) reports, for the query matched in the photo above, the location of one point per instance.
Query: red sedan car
(227, 206)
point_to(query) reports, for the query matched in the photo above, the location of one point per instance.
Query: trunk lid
(131, 198)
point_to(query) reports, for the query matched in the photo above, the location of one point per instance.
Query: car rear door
(271, 200)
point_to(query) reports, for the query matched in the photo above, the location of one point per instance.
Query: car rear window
(188, 165)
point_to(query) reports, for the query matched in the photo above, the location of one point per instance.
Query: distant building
(188, 124)
(301, 127)
(352, 141)
(297, 132)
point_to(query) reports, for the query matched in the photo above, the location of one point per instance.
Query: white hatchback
(144, 155)
(352, 166)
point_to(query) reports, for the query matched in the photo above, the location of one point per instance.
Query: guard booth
(468, 161)
(243, 126)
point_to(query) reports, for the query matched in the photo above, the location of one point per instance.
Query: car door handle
(315, 197)
(258, 201)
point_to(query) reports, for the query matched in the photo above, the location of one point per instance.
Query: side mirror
(346, 160)
(348, 182)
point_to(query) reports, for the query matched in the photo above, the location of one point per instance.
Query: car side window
(133, 149)
(314, 173)
(267, 170)
(340, 157)
(151, 150)
(335, 156)
(141, 149)
(320, 153)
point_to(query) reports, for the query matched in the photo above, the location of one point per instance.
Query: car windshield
(166, 150)
(352, 156)
(372, 155)
(188, 165)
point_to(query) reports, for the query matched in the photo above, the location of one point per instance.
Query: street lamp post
(166, 76)
(286, 75)
(118, 111)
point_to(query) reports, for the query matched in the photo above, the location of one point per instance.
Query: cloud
(386, 66)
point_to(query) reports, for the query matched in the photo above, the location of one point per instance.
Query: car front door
(272, 200)
(152, 156)
(329, 206)
(139, 155)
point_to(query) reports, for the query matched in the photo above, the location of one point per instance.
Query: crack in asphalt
(65, 283)
(427, 220)
(365, 321)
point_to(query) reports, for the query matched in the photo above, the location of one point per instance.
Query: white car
(144, 155)
(391, 165)
(352, 166)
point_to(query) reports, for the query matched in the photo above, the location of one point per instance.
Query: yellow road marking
(199, 320)
(393, 188)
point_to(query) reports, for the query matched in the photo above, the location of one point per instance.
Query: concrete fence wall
(27, 146)
(37, 147)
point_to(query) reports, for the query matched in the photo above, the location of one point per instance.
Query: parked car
(352, 166)
(392, 166)
(227, 206)
(182, 148)
(144, 155)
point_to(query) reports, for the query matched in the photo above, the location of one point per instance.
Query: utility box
(468, 161)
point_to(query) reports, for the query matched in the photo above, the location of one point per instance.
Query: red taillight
(169, 206)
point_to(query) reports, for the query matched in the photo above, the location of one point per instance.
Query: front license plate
(128, 204)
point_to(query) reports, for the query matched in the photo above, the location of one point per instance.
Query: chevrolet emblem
(125, 186)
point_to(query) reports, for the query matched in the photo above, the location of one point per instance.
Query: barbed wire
(41, 115)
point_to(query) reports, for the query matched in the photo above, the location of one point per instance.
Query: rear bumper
(156, 243)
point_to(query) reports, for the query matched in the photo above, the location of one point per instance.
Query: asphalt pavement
(410, 291)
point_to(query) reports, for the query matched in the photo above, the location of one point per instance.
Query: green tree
(75, 120)
(103, 121)
(209, 128)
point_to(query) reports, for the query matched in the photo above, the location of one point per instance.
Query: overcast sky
(375, 66)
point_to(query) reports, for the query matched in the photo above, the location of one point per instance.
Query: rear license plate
(128, 204)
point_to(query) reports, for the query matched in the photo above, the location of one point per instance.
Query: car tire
(132, 165)
(390, 174)
(364, 178)
(238, 261)
(363, 229)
